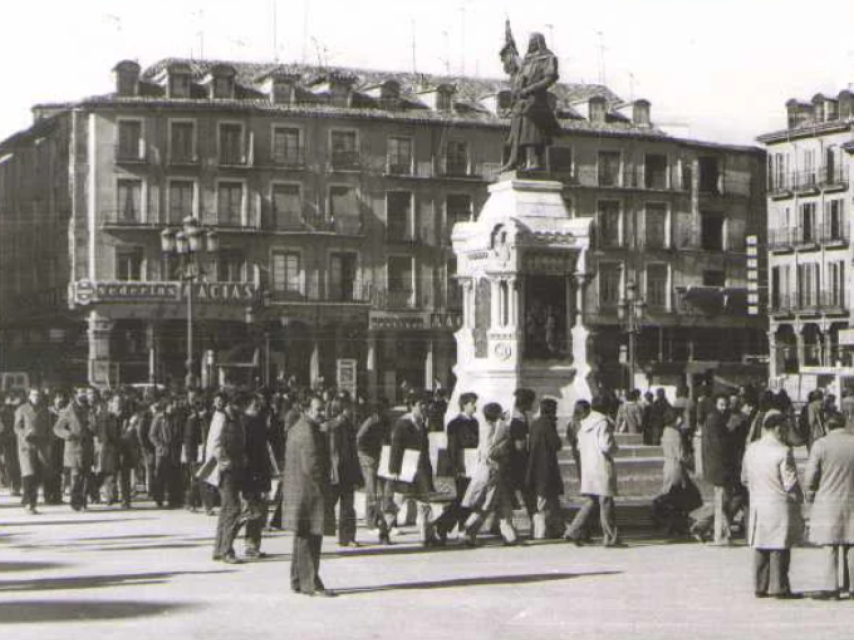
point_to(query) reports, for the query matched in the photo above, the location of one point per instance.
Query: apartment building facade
(333, 193)
(809, 252)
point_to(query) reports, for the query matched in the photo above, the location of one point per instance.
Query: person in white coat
(597, 446)
(829, 482)
(775, 523)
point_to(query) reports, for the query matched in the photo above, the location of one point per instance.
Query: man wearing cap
(75, 427)
(305, 494)
(32, 427)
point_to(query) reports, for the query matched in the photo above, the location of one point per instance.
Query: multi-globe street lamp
(189, 245)
(631, 311)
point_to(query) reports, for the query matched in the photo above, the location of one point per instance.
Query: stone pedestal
(522, 266)
(99, 350)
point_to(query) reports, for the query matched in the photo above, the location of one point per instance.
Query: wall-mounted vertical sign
(346, 376)
(752, 275)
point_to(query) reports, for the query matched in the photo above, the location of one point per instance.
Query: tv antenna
(602, 48)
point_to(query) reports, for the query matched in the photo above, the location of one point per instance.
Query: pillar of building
(429, 368)
(99, 350)
(773, 356)
(800, 346)
(151, 347)
(371, 368)
(314, 360)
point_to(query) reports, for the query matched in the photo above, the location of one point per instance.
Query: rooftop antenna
(304, 31)
(275, 33)
(602, 50)
(551, 29)
(199, 14)
(462, 37)
(414, 66)
(447, 58)
(631, 86)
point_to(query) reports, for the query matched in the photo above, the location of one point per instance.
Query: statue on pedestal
(533, 124)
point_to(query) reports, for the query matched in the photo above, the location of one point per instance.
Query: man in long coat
(829, 480)
(543, 475)
(345, 472)
(32, 427)
(718, 464)
(75, 427)
(597, 446)
(775, 521)
(306, 490)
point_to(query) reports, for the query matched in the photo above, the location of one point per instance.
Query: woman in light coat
(490, 488)
(679, 495)
(829, 480)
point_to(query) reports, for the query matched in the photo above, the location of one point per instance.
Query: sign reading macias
(87, 292)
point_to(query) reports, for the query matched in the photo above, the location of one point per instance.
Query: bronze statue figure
(533, 124)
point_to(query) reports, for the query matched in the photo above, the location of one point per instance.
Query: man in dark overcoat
(256, 484)
(32, 428)
(523, 404)
(718, 463)
(75, 427)
(306, 490)
(543, 476)
(166, 440)
(346, 474)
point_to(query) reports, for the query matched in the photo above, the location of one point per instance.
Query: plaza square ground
(110, 573)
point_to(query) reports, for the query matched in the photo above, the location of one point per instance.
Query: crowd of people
(292, 458)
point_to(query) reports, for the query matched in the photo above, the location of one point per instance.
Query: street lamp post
(188, 245)
(631, 311)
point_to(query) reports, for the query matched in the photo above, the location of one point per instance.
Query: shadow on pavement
(25, 565)
(483, 581)
(35, 611)
(36, 521)
(137, 536)
(94, 582)
(150, 547)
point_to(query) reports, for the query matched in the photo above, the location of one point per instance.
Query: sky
(718, 70)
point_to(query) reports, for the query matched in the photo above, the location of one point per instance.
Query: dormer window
(445, 97)
(282, 91)
(597, 109)
(179, 81)
(640, 113)
(390, 94)
(222, 82)
(223, 88)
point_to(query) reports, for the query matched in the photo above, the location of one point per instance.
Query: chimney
(799, 113)
(126, 76)
(281, 85)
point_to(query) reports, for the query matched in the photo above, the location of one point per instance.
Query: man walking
(597, 446)
(166, 441)
(718, 465)
(775, 522)
(75, 428)
(32, 428)
(829, 480)
(543, 477)
(370, 438)
(306, 490)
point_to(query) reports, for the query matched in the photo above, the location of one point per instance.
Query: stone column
(99, 349)
(580, 336)
(314, 361)
(371, 367)
(801, 347)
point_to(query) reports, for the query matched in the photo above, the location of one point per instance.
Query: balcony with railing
(394, 299)
(131, 153)
(806, 236)
(345, 161)
(834, 233)
(290, 158)
(781, 239)
(395, 234)
(345, 224)
(805, 181)
(822, 302)
(126, 218)
(833, 177)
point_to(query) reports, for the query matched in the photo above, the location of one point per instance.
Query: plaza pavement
(147, 574)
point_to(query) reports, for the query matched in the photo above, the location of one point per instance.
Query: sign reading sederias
(87, 292)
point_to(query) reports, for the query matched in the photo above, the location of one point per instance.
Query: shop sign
(397, 322)
(446, 321)
(88, 292)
